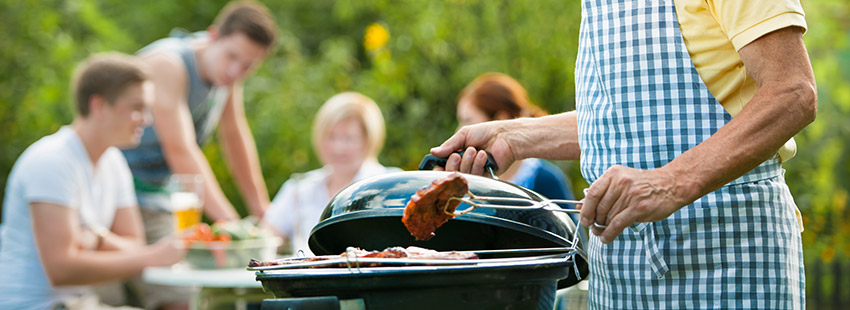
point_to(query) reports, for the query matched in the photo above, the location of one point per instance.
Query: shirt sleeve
(280, 213)
(746, 21)
(46, 179)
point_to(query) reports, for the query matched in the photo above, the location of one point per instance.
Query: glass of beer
(186, 200)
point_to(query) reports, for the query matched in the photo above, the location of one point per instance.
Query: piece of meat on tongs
(434, 205)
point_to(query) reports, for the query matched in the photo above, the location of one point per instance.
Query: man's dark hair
(248, 17)
(106, 75)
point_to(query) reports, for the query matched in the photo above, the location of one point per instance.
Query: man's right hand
(494, 137)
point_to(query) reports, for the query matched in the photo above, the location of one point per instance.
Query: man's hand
(494, 137)
(87, 240)
(623, 196)
(550, 137)
(167, 251)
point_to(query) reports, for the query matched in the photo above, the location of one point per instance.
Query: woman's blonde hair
(354, 105)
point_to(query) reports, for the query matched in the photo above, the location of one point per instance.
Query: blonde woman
(348, 134)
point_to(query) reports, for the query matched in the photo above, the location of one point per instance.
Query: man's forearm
(216, 205)
(88, 267)
(113, 242)
(772, 117)
(241, 155)
(551, 137)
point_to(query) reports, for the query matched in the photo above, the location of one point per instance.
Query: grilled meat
(430, 207)
(410, 252)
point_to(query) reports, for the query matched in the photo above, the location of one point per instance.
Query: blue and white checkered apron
(641, 103)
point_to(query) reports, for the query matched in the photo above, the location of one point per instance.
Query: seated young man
(70, 213)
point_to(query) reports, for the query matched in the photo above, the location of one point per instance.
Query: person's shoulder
(301, 182)
(162, 59)
(169, 75)
(548, 170)
(49, 152)
(374, 168)
(392, 169)
(388, 169)
(164, 64)
(551, 182)
(745, 21)
(315, 176)
(50, 162)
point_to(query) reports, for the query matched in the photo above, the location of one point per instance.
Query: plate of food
(228, 245)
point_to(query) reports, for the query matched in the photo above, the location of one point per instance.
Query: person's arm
(126, 233)
(176, 132)
(280, 217)
(550, 137)
(784, 104)
(56, 229)
(241, 154)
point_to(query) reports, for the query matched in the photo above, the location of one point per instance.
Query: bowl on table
(230, 254)
(228, 245)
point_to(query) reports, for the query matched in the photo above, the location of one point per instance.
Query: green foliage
(429, 63)
(819, 177)
(435, 48)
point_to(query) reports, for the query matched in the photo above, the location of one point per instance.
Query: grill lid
(367, 214)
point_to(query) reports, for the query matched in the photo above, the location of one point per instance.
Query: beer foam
(184, 200)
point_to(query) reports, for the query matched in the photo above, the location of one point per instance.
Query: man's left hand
(623, 196)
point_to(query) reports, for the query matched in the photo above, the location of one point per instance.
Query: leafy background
(433, 49)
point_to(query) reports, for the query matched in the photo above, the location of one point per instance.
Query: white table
(179, 275)
(241, 281)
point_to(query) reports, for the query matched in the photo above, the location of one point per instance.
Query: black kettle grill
(510, 273)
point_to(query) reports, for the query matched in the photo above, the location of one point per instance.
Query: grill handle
(431, 161)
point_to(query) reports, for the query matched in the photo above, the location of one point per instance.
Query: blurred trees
(414, 69)
(819, 177)
(433, 49)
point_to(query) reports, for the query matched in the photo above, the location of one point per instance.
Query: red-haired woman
(496, 96)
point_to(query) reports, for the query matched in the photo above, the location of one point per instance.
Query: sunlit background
(413, 58)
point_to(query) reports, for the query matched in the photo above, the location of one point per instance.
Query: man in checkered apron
(688, 206)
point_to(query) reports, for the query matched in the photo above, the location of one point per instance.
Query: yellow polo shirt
(714, 31)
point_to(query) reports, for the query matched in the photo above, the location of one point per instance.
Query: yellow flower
(376, 37)
(827, 254)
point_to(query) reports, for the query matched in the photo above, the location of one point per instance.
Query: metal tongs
(505, 203)
(476, 202)
(509, 203)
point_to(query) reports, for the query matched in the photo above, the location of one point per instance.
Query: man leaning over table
(70, 213)
(198, 78)
(688, 205)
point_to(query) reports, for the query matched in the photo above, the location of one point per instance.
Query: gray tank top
(206, 102)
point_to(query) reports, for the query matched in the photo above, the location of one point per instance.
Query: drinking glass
(186, 200)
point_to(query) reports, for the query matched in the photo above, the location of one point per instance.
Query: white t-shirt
(299, 203)
(55, 169)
